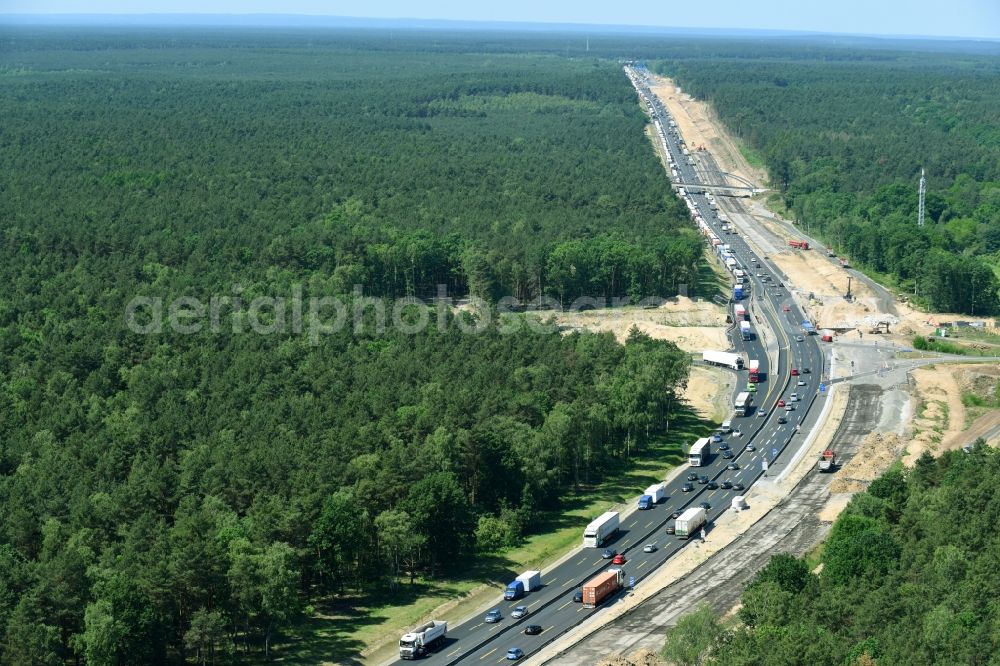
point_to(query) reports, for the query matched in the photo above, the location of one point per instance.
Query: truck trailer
(741, 312)
(602, 586)
(600, 530)
(422, 640)
(689, 522)
(738, 292)
(652, 496)
(754, 367)
(745, 331)
(727, 359)
(526, 582)
(801, 245)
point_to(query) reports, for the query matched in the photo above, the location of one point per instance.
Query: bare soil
(637, 658)
(708, 392)
(877, 453)
(693, 325)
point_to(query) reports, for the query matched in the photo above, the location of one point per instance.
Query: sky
(954, 18)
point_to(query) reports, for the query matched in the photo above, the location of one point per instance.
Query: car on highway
(782, 419)
(702, 480)
(533, 629)
(795, 372)
(670, 529)
(805, 371)
(692, 476)
(687, 487)
(737, 486)
(619, 559)
(738, 432)
(578, 597)
(518, 612)
(705, 505)
(789, 407)
(493, 616)
(726, 485)
(761, 413)
(727, 454)
(798, 338)
(794, 397)
(723, 447)
(712, 485)
(675, 515)
(649, 548)
(609, 553)
(751, 447)
(781, 403)
(801, 382)
(716, 438)
(733, 465)
(514, 654)
(785, 308)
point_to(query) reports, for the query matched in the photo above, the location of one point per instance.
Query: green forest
(844, 134)
(908, 577)
(167, 495)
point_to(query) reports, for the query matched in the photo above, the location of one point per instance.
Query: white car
(751, 447)
(649, 548)
(802, 382)
(520, 611)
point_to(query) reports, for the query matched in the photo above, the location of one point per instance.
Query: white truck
(532, 580)
(652, 496)
(600, 530)
(689, 522)
(422, 640)
(745, 331)
(727, 359)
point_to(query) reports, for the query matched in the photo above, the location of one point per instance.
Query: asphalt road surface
(552, 606)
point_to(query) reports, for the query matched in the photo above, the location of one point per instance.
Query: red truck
(801, 245)
(602, 586)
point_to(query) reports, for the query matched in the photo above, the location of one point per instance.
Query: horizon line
(192, 18)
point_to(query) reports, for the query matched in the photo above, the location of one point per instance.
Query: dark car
(687, 487)
(727, 454)
(702, 480)
(723, 447)
(738, 486)
(726, 485)
(733, 465)
(712, 485)
(609, 553)
(782, 419)
(705, 505)
(692, 477)
(535, 629)
(669, 529)
(675, 515)
(578, 596)
(805, 371)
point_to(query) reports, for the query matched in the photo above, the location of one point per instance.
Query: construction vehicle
(800, 245)
(880, 327)
(844, 263)
(848, 296)
(827, 460)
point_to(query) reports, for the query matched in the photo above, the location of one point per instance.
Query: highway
(552, 606)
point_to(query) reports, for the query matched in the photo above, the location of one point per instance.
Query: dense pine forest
(844, 133)
(164, 494)
(908, 577)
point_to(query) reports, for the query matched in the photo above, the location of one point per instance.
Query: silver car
(520, 611)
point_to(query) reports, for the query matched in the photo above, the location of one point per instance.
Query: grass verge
(341, 629)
